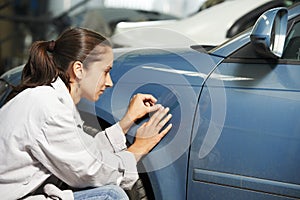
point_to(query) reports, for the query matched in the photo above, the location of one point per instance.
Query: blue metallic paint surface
(256, 153)
(175, 79)
(294, 12)
(241, 118)
(261, 129)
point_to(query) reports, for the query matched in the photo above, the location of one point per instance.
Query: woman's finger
(161, 114)
(165, 131)
(148, 97)
(155, 115)
(154, 108)
(163, 122)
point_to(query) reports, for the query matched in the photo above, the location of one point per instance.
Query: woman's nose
(108, 81)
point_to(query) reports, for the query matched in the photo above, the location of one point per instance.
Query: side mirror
(269, 32)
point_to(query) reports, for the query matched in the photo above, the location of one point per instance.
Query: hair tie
(51, 46)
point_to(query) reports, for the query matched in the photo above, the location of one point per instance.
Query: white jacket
(41, 134)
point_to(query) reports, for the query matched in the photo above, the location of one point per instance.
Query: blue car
(236, 113)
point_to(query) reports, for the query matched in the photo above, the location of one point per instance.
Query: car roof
(213, 19)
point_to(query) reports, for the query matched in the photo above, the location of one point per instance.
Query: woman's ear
(78, 70)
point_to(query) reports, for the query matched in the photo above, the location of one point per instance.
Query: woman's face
(96, 77)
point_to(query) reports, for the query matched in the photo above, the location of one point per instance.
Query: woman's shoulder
(42, 101)
(44, 98)
(40, 94)
(35, 103)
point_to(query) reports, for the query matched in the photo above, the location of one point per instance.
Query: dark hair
(51, 59)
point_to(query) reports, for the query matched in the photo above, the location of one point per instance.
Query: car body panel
(170, 77)
(235, 118)
(266, 90)
(259, 123)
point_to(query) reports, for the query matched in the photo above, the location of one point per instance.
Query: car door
(247, 145)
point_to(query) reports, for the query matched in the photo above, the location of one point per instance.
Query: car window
(292, 43)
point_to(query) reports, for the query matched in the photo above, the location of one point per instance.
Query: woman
(48, 139)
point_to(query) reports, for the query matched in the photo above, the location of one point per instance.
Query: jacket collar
(64, 97)
(63, 93)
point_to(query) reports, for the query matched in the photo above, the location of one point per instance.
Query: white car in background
(211, 26)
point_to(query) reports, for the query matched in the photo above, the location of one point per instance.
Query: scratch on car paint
(199, 74)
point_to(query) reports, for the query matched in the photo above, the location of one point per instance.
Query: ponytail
(40, 68)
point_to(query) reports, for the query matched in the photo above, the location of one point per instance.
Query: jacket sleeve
(112, 138)
(79, 159)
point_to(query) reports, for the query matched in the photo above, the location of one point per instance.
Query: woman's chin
(96, 97)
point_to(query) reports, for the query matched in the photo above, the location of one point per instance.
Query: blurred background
(25, 21)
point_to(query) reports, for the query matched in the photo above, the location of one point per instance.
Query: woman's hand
(150, 134)
(140, 105)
